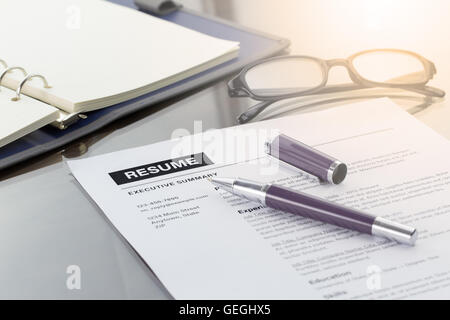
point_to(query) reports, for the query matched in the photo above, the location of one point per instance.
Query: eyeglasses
(286, 77)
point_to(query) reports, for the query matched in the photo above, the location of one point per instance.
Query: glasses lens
(284, 76)
(390, 67)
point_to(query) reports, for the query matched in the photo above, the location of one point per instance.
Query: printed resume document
(205, 243)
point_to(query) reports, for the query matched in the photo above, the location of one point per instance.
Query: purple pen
(284, 199)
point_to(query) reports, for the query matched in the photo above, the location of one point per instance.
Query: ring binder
(65, 119)
(11, 69)
(28, 78)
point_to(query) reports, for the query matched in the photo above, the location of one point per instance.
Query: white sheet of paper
(204, 243)
(23, 116)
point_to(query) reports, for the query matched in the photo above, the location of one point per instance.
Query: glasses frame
(238, 86)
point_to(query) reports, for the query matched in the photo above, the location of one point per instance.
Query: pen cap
(307, 159)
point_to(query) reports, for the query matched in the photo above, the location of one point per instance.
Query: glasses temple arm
(427, 91)
(251, 113)
(424, 90)
(254, 111)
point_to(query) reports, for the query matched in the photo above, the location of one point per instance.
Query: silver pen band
(395, 231)
(251, 191)
(336, 172)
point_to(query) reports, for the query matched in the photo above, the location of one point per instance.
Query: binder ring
(11, 69)
(28, 78)
(3, 62)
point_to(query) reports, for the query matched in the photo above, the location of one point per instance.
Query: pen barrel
(308, 206)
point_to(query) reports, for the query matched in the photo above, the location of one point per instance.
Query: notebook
(93, 54)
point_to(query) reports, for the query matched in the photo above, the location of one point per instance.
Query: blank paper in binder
(21, 117)
(96, 54)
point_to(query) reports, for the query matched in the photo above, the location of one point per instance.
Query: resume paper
(205, 243)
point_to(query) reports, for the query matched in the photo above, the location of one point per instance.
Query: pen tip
(224, 183)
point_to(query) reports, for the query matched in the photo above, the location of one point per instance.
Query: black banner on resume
(161, 168)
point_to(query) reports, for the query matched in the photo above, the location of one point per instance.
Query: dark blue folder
(253, 46)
